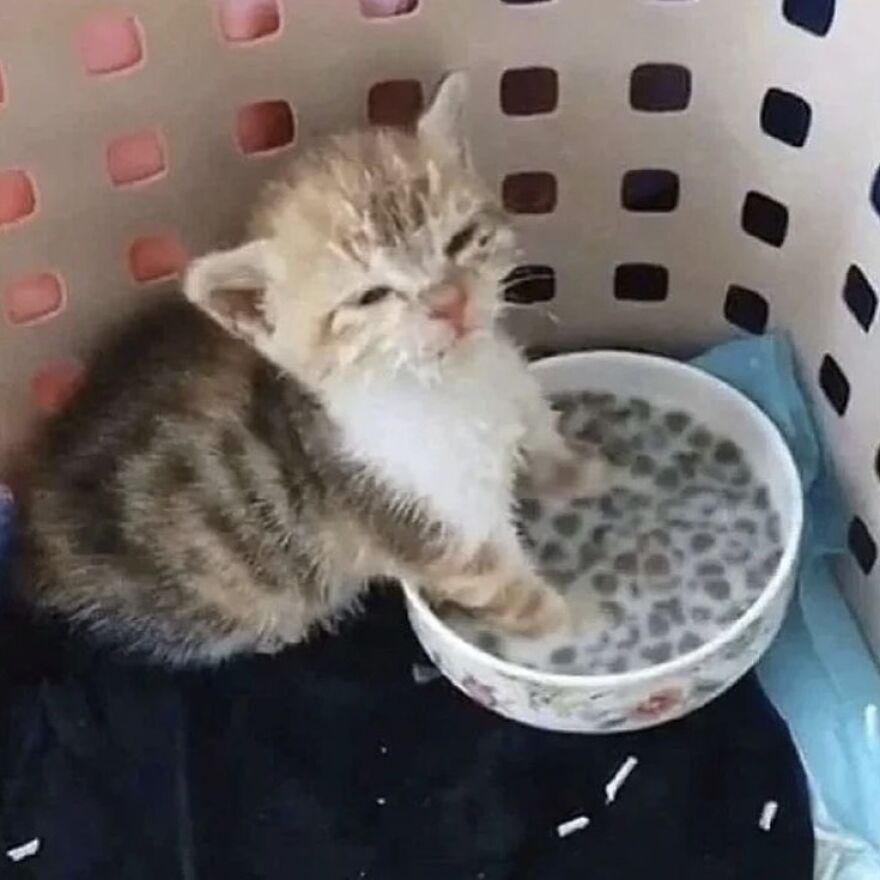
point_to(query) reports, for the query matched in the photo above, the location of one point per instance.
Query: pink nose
(449, 303)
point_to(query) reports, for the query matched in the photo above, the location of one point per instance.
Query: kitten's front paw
(581, 473)
(532, 608)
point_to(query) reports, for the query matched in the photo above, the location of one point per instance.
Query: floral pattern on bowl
(600, 704)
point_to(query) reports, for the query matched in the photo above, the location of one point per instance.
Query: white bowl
(654, 695)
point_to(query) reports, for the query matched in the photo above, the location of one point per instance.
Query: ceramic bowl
(657, 694)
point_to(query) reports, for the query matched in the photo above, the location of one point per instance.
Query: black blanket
(330, 761)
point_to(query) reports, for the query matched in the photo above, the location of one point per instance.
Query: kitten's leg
(500, 586)
(555, 465)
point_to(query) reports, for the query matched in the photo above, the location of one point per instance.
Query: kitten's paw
(591, 477)
(581, 473)
(532, 608)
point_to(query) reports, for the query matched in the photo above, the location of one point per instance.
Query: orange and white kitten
(351, 409)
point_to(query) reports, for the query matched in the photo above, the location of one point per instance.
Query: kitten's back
(172, 503)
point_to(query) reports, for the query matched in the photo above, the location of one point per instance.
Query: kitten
(340, 404)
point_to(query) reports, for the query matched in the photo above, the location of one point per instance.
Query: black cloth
(330, 761)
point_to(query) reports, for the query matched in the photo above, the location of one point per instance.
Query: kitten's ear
(235, 288)
(442, 124)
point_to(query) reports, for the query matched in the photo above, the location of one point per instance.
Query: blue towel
(818, 673)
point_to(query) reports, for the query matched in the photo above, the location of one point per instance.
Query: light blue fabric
(819, 672)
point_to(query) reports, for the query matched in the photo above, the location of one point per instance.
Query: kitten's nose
(448, 302)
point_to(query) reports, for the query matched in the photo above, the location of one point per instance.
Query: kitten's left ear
(236, 288)
(442, 124)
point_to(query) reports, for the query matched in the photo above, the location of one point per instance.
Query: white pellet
(768, 815)
(578, 823)
(424, 673)
(25, 851)
(617, 781)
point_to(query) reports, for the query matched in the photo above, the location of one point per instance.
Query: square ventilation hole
(530, 284)
(529, 192)
(387, 8)
(660, 88)
(765, 218)
(641, 282)
(814, 16)
(33, 298)
(862, 545)
(265, 126)
(110, 42)
(650, 190)
(245, 21)
(860, 297)
(18, 197)
(136, 157)
(786, 117)
(397, 102)
(527, 91)
(834, 384)
(156, 258)
(746, 309)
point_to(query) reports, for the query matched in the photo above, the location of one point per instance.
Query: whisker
(509, 287)
(539, 308)
(513, 287)
(552, 316)
(519, 279)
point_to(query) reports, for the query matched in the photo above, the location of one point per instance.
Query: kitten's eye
(374, 295)
(461, 240)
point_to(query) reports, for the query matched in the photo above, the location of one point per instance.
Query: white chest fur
(450, 442)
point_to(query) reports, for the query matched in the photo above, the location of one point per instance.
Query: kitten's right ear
(236, 287)
(442, 125)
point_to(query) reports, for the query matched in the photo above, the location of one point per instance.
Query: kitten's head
(381, 250)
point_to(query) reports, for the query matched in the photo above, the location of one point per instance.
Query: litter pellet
(381, 801)
(383, 750)
(617, 781)
(25, 851)
(578, 823)
(424, 673)
(768, 815)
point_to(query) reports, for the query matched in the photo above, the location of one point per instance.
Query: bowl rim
(775, 583)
